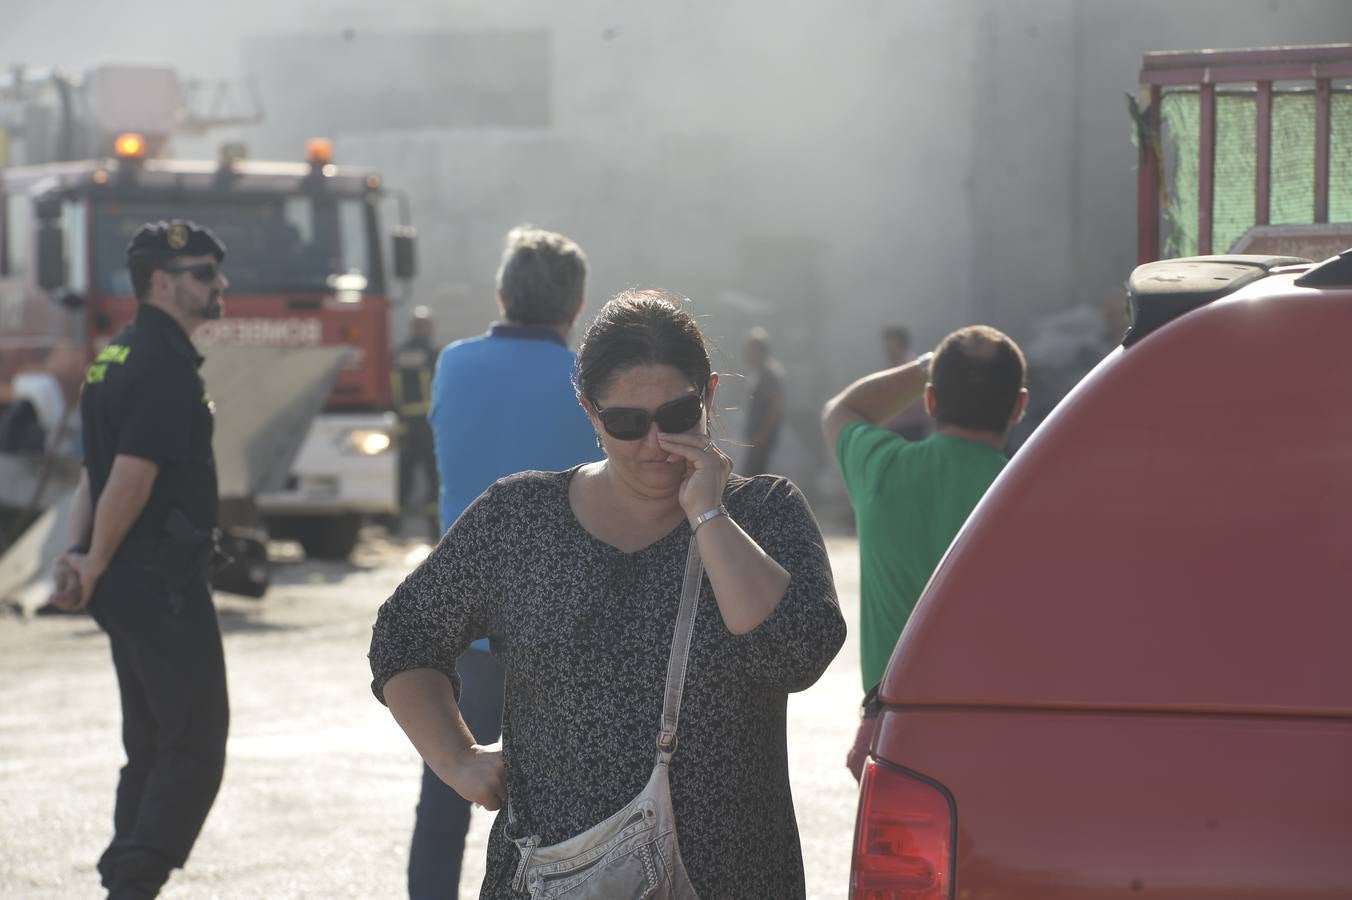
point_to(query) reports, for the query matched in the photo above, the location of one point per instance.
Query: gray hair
(542, 277)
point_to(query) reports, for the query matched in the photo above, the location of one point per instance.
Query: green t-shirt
(910, 499)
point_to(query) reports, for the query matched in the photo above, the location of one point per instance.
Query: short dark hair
(542, 277)
(977, 373)
(140, 270)
(641, 328)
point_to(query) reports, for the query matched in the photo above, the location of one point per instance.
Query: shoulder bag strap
(680, 652)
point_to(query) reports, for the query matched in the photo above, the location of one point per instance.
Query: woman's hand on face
(706, 470)
(477, 774)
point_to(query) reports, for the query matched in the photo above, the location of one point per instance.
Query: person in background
(765, 404)
(911, 497)
(414, 361)
(40, 415)
(912, 423)
(501, 403)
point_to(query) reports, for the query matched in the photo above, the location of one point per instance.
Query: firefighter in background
(414, 361)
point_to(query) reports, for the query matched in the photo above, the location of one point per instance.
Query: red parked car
(1131, 676)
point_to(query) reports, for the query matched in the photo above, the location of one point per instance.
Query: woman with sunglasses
(575, 578)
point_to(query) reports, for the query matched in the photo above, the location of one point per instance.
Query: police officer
(141, 530)
(414, 362)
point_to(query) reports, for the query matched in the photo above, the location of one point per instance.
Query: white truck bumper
(349, 463)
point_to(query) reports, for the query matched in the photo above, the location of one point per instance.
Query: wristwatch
(719, 510)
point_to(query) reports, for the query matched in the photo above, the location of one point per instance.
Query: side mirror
(405, 252)
(51, 256)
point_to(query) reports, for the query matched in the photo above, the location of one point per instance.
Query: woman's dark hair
(641, 328)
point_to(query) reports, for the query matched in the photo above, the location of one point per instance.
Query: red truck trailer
(1245, 151)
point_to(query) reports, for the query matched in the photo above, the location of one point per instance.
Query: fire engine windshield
(273, 244)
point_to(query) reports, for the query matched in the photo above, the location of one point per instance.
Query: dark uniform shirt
(414, 361)
(143, 397)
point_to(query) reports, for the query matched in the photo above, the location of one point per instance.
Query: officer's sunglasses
(204, 272)
(627, 423)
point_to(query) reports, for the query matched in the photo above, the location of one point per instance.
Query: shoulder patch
(117, 353)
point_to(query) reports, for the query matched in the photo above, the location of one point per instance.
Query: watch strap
(719, 510)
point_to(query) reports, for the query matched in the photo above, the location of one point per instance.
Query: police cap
(177, 237)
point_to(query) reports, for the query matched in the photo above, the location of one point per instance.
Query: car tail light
(903, 839)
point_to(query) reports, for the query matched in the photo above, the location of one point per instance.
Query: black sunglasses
(627, 423)
(204, 272)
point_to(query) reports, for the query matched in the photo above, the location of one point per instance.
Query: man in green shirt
(911, 497)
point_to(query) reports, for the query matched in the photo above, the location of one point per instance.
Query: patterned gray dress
(584, 630)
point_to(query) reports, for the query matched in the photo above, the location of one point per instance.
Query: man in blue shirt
(502, 402)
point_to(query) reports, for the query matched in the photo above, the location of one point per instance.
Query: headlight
(348, 287)
(370, 441)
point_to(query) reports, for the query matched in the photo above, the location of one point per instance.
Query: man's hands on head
(875, 398)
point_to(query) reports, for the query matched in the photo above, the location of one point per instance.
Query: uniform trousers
(175, 715)
(416, 454)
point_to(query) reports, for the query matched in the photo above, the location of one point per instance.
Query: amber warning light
(319, 151)
(130, 146)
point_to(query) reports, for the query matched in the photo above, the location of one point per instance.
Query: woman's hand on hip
(706, 470)
(477, 774)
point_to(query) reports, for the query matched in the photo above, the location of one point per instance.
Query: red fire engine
(87, 164)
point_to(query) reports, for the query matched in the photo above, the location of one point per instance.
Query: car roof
(1177, 535)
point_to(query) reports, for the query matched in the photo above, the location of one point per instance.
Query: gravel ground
(320, 784)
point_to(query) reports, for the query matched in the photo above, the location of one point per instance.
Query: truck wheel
(327, 537)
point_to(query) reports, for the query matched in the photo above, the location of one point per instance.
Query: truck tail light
(903, 838)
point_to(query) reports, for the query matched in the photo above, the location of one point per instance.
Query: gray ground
(320, 785)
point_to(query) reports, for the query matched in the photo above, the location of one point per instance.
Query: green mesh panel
(1232, 213)
(1292, 177)
(1179, 124)
(1340, 159)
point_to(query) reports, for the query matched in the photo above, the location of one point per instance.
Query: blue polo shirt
(502, 403)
